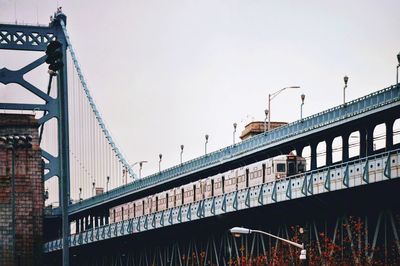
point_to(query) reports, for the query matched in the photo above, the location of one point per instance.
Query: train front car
(295, 165)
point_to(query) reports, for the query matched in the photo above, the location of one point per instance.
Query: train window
(212, 188)
(281, 167)
(223, 184)
(143, 207)
(247, 177)
(122, 211)
(134, 210)
(166, 202)
(182, 195)
(114, 215)
(194, 192)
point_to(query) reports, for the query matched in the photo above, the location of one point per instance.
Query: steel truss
(345, 239)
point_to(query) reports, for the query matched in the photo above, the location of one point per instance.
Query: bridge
(323, 198)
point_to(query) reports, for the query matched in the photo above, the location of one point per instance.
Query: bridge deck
(377, 168)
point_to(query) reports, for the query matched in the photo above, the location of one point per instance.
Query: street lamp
(265, 120)
(234, 131)
(159, 162)
(13, 142)
(182, 151)
(272, 96)
(108, 182)
(397, 72)
(140, 166)
(205, 144)
(303, 96)
(346, 79)
(237, 231)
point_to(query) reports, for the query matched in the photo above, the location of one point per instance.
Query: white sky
(165, 73)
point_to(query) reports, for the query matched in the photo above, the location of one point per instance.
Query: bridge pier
(345, 147)
(328, 158)
(313, 147)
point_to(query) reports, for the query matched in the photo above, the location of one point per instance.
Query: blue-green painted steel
(365, 176)
(235, 201)
(346, 176)
(247, 200)
(310, 185)
(304, 187)
(372, 103)
(327, 184)
(261, 195)
(387, 172)
(323, 177)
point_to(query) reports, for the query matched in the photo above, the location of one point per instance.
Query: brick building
(25, 248)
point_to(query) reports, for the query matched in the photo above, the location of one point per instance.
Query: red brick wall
(29, 200)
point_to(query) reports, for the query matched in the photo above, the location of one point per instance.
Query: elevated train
(251, 175)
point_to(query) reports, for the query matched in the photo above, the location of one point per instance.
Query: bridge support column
(345, 147)
(96, 221)
(81, 224)
(313, 147)
(366, 141)
(86, 222)
(77, 226)
(370, 140)
(328, 157)
(363, 143)
(389, 134)
(299, 150)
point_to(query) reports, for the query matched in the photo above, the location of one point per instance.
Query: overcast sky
(165, 73)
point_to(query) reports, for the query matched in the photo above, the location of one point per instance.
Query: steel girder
(344, 239)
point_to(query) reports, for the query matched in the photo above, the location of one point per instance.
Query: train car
(138, 207)
(230, 181)
(242, 177)
(217, 182)
(147, 205)
(189, 193)
(154, 203)
(112, 213)
(118, 213)
(171, 202)
(131, 206)
(209, 192)
(125, 211)
(179, 196)
(162, 201)
(255, 174)
(200, 192)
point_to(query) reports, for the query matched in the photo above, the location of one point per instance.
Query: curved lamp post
(140, 166)
(303, 96)
(272, 96)
(237, 231)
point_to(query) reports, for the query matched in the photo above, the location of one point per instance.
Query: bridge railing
(375, 100)
(363, 171)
